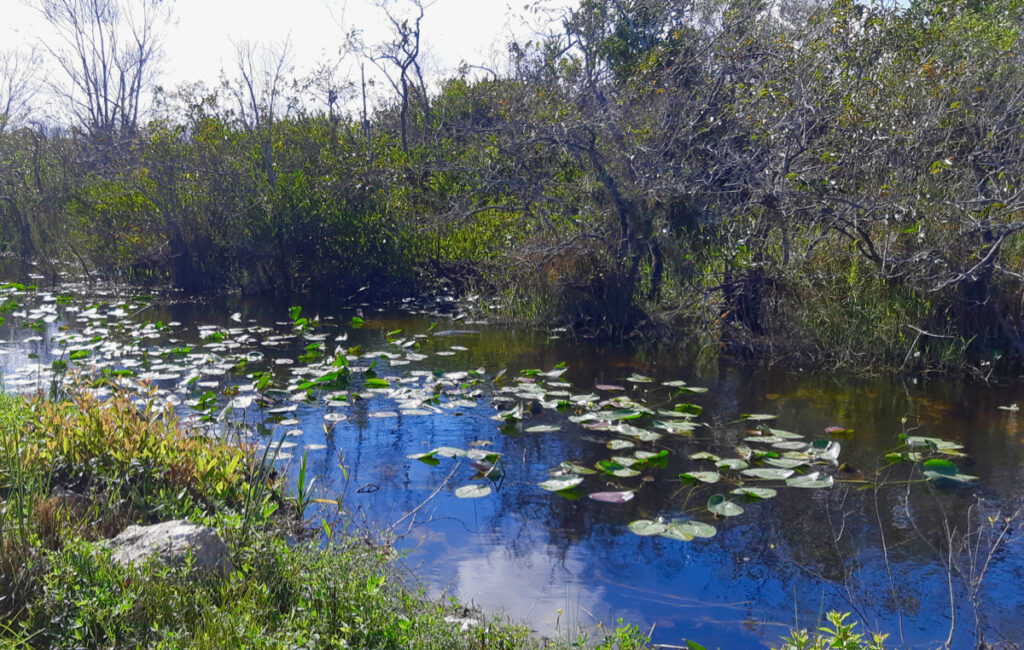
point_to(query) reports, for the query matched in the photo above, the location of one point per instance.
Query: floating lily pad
(704, 455)
(573, 468)
(785, 434)
(473, 491)
(616, 444)
(703, 477)
(785, 463)
(646, 527)
(757, 417)
(639, 379)
(612, 497)
(542, 428)
(720, 505)
(755, 492)
(732, 463)
(771, 473)
(687, 530)
(561, 483)
(812, 480)
(650, 455)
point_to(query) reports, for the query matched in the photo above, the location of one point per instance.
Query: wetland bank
(730, 336)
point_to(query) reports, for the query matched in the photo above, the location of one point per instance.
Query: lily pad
(703, 477)
(732, 463)
(616, 444)
(720, 505)
(612, 497)
(473, 491)
(770, 473)
(542, 428)
(561, 483)
(704, 455)
(755, 492)
(812, 480)
(687, 530)
(646, 527)
(757, 417)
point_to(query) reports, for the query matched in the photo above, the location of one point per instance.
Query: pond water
(503, 410)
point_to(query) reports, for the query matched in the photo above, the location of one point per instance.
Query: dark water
(564, 564)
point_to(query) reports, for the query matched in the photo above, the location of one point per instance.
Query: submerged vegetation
(811, 181)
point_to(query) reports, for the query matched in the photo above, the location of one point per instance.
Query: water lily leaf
(785, 434)
(620, 414)
(703, 477)
(650, 455)
(812, 480)
(639, 379)
(542, 428)
(939, 445)
(731, 463)
(626, 461)
(836, 431)
(825, 449)
(612, 497)
(693, 389)
(609, 387)
(704, 455)
(785, 463)
(720, 505)
(676, 426)
(646, 527)
(755, 492)
(1011, 407)
(573, 468)
(449, 452)
(561, 483)
(375, 382)
(474, 491)
(757, 417)
(685, 531)
(768, 440)
(771, 473)
(791, 445)
(616, 444)
(688, 409)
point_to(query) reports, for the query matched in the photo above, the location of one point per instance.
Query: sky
(199, 41)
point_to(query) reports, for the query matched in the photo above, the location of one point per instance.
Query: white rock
(171, 542)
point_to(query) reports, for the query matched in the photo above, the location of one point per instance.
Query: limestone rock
(171, 542)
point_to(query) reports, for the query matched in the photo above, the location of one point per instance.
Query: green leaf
(559, 484)
(720, 505)
(646, 527)
(473, 491)
(703, 477)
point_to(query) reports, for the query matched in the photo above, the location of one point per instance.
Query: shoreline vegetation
(78, 471)
(822, 184)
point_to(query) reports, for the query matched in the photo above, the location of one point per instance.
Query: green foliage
(839, 635)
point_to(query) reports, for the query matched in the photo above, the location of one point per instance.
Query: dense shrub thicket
(808, 180)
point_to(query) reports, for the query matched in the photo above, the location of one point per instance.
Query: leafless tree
(18, 85)
(400, 61)
(109, 51)
(257, 92)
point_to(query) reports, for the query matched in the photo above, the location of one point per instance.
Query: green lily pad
(573, 468)
(704, 455)
(646, 527)
(615, 444)
(731, 463)
(770, 473)
(473, 491)
(542, 428)
(685, 531)
(561, 483)
(720, 505)
(757, 417)
(785, 463)
(812, 480)
(703, 477)
(755, 492)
